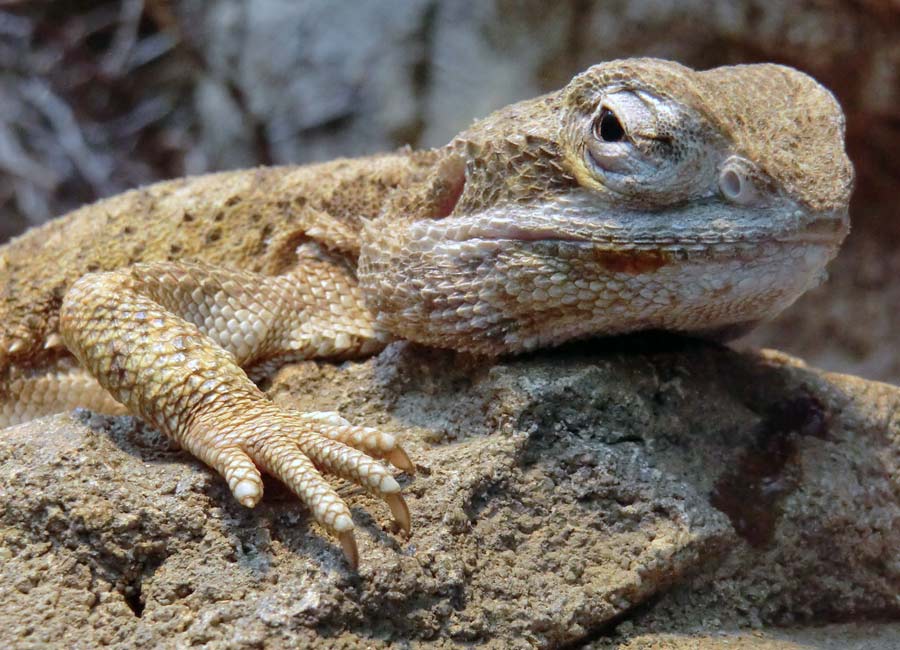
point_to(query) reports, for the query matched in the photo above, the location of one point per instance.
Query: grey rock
(829, 637)
(604, 493)
(235, 83)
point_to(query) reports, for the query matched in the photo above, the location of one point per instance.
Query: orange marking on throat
(634, 262)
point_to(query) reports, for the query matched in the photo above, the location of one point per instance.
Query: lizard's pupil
(608, 127)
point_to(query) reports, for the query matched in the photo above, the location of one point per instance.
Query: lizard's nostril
(736, 186)
(730, 183)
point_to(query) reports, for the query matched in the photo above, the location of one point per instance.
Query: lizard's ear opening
(448, 184)
(433, 195)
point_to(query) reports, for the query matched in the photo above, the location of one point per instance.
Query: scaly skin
(643, 195)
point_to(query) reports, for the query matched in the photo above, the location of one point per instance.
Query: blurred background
(100, 96)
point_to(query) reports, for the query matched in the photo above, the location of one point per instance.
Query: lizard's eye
(628, 136)
(607, 127)
(636, 144)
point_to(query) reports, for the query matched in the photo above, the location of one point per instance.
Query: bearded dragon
(643, 195)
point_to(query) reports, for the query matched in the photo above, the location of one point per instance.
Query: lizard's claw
(298, 449)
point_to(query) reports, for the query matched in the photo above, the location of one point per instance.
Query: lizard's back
(247, 219)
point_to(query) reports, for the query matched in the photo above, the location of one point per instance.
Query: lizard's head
(653, 135)
(644, 195)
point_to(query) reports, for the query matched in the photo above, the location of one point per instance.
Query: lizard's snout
(825, 228)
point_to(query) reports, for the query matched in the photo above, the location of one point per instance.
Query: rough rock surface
(629, 493)
(829, 637)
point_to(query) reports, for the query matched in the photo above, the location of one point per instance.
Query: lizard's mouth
(824, 232)
(708, 226)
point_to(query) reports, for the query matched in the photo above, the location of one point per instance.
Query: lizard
(644, 195)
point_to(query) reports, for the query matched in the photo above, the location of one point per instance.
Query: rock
(614, 492)
(829, 637)
(215, 85)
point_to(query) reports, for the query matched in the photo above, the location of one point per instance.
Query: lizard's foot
(166, 341)
(298, 449)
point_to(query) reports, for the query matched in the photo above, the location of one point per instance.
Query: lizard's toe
(325, 447)
(281, 457)
(298, 449)
(370, 441)
(366, 439)
(241, 474)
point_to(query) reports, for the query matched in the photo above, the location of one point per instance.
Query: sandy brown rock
(624, 488)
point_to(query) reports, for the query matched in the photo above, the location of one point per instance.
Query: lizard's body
(247, 219)
(643, 195)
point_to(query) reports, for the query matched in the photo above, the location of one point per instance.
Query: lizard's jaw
(516, 278)
(578, 216)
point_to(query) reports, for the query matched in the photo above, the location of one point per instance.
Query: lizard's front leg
(169, 342)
